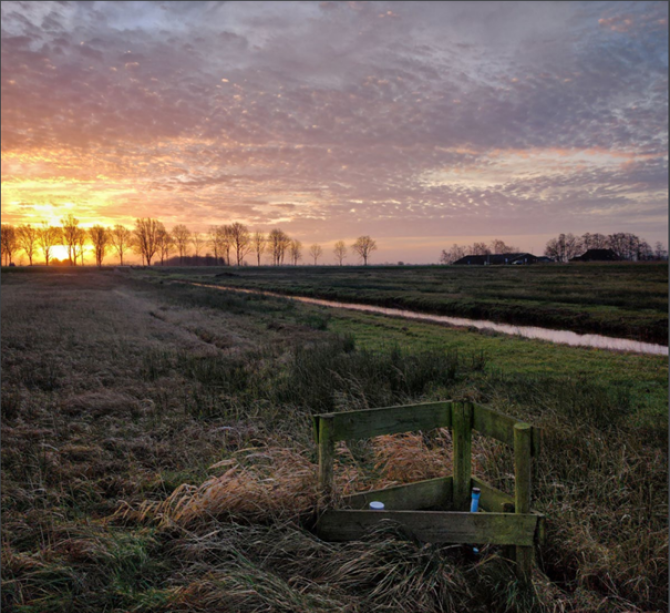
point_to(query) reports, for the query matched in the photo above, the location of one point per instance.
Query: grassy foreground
(620, 300)
(157, 455)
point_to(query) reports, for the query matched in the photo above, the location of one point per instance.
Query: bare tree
(120, 237)
(165, 243)
(572, 246)
(340, 251)
(182, 236)
(598, 241)
(260, 244)
(564, 247)
(198, 241)
(80, 238)
(70, 235)
(278, 243)
(455, 253)
(480, 249)
(49, 237)
(659, 251)
(215, 242)
(364, 246)
(146, 237)
(295, 249)
(28, 237)
(552, 250)
(315, 251)
(9, 241)
(100, 238)
(240, 240)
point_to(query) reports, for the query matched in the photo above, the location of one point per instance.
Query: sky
(421, 124)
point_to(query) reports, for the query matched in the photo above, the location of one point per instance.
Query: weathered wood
(426, 494)
(433, 526)
(389, 420)
(501, 427)
(462, 441)
(326, 458)
(492, 499)
(523, 492)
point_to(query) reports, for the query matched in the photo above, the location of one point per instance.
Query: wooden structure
(436, 510)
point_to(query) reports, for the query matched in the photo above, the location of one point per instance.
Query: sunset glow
(419, 123)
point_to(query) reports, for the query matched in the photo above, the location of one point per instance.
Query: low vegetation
(158, 455)
(624, 300)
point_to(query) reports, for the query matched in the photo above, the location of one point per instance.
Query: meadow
(625, 300)
(158, 454)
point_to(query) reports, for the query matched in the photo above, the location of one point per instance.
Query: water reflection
(563, 337)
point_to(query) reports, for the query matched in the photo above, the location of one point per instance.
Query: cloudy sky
(418, 123)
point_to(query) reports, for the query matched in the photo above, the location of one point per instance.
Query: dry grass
(157, 455)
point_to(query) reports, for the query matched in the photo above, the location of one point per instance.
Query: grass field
(157, 455)
(620, 300)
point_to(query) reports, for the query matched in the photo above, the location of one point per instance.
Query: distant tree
(214, 241)
(49, 237)
(278, 244)
(499, 247)
(480, 249)
(9, 242)
(182, 236)
(659, 251)
(552, 250)
(563, 248)
(146, 237)
(119, 238)
(259, 242)
(227, 238)
(28, 237)
(198, 241)
(240, 240)
(165, 243)
(340, 251)
(315, 251)
(598, 241)
(452, 255)
(71, 235)
(364, 246)
(572, 246)
(645, 252)
(100, 239)
(296, 251)
(587, 241)
(80, 239)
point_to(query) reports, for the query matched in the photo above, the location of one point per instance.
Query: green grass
(621, 300)
(158, 455)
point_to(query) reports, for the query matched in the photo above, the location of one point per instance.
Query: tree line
(567, 246)
(226, 244)
(496, 246)
(625, 245)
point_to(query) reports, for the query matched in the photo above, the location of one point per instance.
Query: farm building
(597, 255)
(497, 259)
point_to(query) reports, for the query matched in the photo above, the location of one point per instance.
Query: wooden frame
(435, 510)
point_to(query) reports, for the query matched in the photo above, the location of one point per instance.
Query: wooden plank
(426, 494)
(462, 440)
(494, 424)
(501, 427)
(368, 423)
(433, 526)
(492, 499)
(522, 492)
(326, 459)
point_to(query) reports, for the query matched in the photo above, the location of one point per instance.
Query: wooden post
(326, 457)
(462, 439)
(522, 492)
